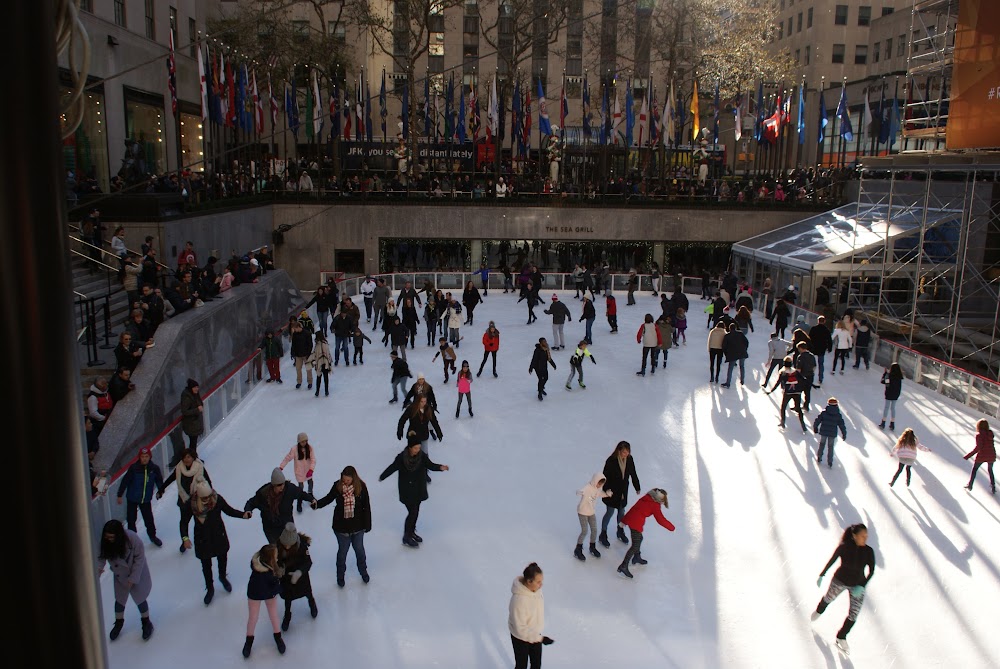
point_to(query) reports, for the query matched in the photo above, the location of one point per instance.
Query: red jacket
(491, 343)
(643, 509)
(984, 451)
(612, 307)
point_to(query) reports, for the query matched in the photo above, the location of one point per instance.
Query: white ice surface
(756, 519)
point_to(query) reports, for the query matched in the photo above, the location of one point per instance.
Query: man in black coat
(120, 384)
(409, 292)
(278, 494)
(735, 346)
(820, 343)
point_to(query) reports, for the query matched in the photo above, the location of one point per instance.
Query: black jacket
(412, 294)
(539, 360)
(302, 344)
(343, 325)
(734, 346)
(892, 386)
(409, 317)
(362, 520)
(296, 558)
(324, 303)
(274, 523)
(400, 369)
(820, 340)
(559, 312)
(588, 311)
(398, 334)
(210, 538)
(853, 559)
(118, 388)
(470, 298)
(618, 484)
(412, 484)
(124, 357)
(420, 425)
(411, 396)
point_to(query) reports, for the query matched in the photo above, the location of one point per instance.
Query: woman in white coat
(843, 342)
(526, 618)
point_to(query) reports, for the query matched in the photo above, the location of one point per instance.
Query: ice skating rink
(756, 519)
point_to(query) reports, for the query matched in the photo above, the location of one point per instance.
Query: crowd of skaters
(798, 360)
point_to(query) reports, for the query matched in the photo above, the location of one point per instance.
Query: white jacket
(649, 335)
(777, 348)
(526, 617)
(591, 492)
(454, 319)
(842, 339)
(368, 288)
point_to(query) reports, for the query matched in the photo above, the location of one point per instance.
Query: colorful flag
(258, 107)
(461, 115)
(586, 109)
(347, 114)
(695, 112)
(738, 116)
(846, 131)
(563, 108)
(616, 119)
(644, 121)
(202, 83)
(544, 125)
(383, 112)
(629, 114)
(758, 124)
(172, 75)
(654, 122)
(274, 105)
(223, 91)
(800, 126)
(492, 112)
(823, 120)
(359, 109)
(317, 106)
(292, 109)
(526, 113)
(715, 115)
(772, 124)
(244, 104)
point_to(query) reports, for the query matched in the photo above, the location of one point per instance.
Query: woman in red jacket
(491, 344)
(648, 505)
(985, 452)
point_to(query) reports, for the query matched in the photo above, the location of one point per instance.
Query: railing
(456, 281)
(220, 401)
(972, 390)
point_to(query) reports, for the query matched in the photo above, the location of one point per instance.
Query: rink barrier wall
(974, 391)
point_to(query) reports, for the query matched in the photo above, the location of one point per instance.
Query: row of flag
(231, 97)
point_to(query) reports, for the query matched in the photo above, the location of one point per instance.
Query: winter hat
(659, 495)
(191, 383)
(790, 287)
(277, 477)
(303, 437)
(393, 355)
(832, 401)
(289, 536)
(420, 375)
(555, 298)
(145, 451)
(253, 261)
(202, 489)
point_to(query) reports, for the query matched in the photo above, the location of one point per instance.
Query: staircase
(92, 280)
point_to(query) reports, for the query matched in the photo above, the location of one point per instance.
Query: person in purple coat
(122, 550)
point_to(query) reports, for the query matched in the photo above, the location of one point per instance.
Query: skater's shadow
(833, 659)
(731, 418)
(857, 436)
(990, 513)
(936, 489)
(938, 539)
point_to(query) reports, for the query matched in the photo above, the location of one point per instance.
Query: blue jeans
(401, 382)
(732, 365)
(590, 325)
(344, 544)
(607, 517)
(826, 443)
(341, 344)
(890, 405)
(820, 365)
(321, 317)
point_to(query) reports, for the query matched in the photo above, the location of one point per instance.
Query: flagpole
(800, 142)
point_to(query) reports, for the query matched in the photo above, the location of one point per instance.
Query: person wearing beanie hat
(293, 555)
(304, 457)
(826, 425)
(411, 466)
(188, 472)
(192, 414)
(791, 388)
(274, 501)
(491, 344)
(635, 520)
(420, 389)
(210, 538)
(142, 479)
(560, 313)
(539, 361)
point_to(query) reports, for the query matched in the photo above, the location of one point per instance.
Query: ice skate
(578, 553)
(842, 643)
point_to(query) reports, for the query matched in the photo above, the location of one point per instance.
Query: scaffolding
(929, 67)
(937, 289)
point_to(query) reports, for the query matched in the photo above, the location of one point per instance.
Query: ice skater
(491, 344)
(122, 550)
(648, 335)
(892, 379)
(646, 506)
(715, 338)
(411, 467)
(531, 295)
(464, 383)
(294, 558)
(526, 618)
(843, 342)
(319, 361)
(619, 469)
(352, 519)
(586, 514)
(264, 586)
(576, 363)
(447, 354)
(560, 314)
(826, 425)
(358, 339)
(611, 310)
(905, 451)
(210, 538)
(854, 555)
(304, 457)
(400, 373)
(589, 315)
(680, 329)
(144, 478)
(777, 348)
(789, 381)
(985, 452)
(539, 359)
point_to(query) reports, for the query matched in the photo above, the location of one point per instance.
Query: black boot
(621, 536)
(147, 629)
(313, 609)
(578, 553)
(247, 646)
(604, 540)
(279, 643)
(623, 570)
(593, 550)
(226, 585)
(287, 620)
(116, 629)
(637, 559)
(209, 595)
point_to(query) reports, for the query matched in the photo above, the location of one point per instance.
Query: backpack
(791, 383)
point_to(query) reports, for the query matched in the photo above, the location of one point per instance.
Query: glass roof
(834, 234)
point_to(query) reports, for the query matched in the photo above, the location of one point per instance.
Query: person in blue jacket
(826, 425)
(138, 485)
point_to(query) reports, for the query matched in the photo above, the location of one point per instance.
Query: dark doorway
(350, 261)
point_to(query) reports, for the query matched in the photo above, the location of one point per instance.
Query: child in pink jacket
(304, 456)
(464, 384)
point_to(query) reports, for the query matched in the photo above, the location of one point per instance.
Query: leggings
(909, 468)
(323, 377)
(890, 407)
(186, 516)
(272, 613)
(487, 354)
(635, 549)
(607, 516)
(585, 522)
(794, 399)
(840, 354)
(206, 569)
(573, 371)
(714, 363)
(975, 468)
(836, 587)
(467, 396)
(525, 652)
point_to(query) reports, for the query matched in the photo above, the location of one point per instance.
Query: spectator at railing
(152, 305)
(99, 405)
(120, 385)
(128, 353)
(140, 328)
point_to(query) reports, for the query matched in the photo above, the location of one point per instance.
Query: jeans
(400, 350)
(714, 363)
(410, 524)
(889, 409)
(608, 511)
(821, 364)
(369, 301)
(468, 397)
(345, 542)
(590, 325)
(861, 353)
(146, 508)
(399, 381)
(431, 330)
(975, 468)
(379, 316)
(340, 344)
(453, 336)
(321, 319)
(732, 366)
(826, 442)
(525, 652)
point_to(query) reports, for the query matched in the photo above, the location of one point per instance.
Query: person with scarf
(210, 538)
(420, 389)
(619, 469)
(122, 550)
(274, 501)
(293, 556)
(352, 519)
(264, 586)
(539, 359)
(188, 472)
(304, 456)
(411, 466)
(319, 360)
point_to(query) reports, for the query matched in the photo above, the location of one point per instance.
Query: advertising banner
(975, 88)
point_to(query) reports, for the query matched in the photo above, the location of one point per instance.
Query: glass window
(470, 24)
(144, 126)
(120, 18)
(85, 152)
(888, 49)
(901, 46)
(192, 151)
(887, 10)
(809, 51)
(789, 26)
(838, 53)
(151, 19)
(798, 52)
(875, 54)
(472, 7)
(782, 5)
(300, 28)
(87, 5)
(861, 54)
(798, 23)
(840, 16)
(193, 37)
(781, 30)
(809, 18)
(435, 44)
(864, 15)
(338, 31)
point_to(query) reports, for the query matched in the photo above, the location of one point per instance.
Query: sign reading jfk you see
(382, 156)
